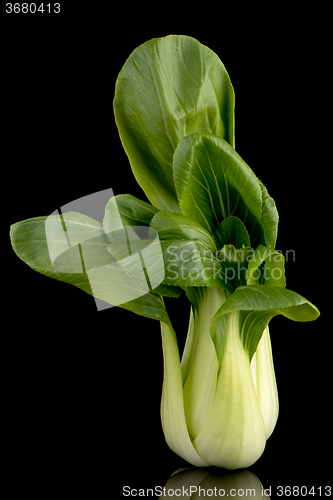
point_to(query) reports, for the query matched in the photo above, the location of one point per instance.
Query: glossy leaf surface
(231, 231)
(169, 88)
(213, 183)
(73, 248)
(257, 305)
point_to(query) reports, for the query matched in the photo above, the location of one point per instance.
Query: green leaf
(231, 231)
(52, 249)
(168, 291)
(127, 222)
(256, 306)
(138, 252)
(190, 263)
(73, 248)
(169, 88)
(273, 271)
(126, 210)
(257, 258)
(234, 264)
(269, 219)
(213, 183)
(150, 305)
(266, 268)
(129, 240)
(189, 252)
(172, 226)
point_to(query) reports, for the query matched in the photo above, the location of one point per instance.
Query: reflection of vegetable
(217, 229)
(198, 483)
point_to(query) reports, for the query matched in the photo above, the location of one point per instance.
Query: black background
(81, 388)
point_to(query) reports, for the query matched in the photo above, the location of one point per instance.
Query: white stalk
(172, 404)
(262, 368)
(200, 384)
(234, 434)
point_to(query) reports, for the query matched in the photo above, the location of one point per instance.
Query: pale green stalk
(172, 404)
(262, 368)
(217, 413)
(200, 384)
(234, 435)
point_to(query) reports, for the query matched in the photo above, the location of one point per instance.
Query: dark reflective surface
(198, 483)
